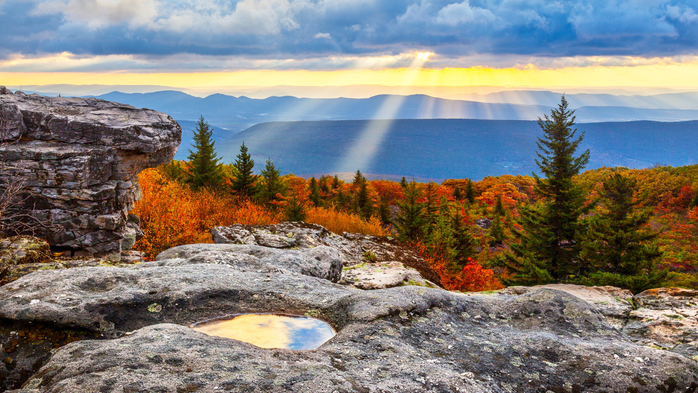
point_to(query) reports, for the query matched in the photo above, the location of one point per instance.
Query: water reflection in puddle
(271, 331)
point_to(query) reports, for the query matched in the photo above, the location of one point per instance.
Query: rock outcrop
(408, 338)
(79, 158)
(364, 255)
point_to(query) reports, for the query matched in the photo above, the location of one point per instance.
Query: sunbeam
(362, 153)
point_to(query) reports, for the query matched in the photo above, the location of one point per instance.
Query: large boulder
(79, 158)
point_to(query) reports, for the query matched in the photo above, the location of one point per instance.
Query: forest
(632, 228)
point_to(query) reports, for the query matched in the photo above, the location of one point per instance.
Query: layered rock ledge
(79, 158)
(556, 338)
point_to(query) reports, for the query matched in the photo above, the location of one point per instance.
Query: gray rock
(323, 262)
(382, 275)
(354, 248)
(408, 339)
(79, 158)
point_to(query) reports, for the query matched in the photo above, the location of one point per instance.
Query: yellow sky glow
(670, 75)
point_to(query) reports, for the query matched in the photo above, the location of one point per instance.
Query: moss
(313, 313)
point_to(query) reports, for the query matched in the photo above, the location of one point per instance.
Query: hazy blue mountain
(547, 98)
(447, 148)
(234, 114)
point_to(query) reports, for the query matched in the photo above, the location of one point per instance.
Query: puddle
(271, 330)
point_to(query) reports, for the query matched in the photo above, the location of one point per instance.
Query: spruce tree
(271, 184)
(322, 183)
(205, 169)
(362, 203)
(464, 242)
(499, 206)
(336, 182)
(469, 192)
(314, 192)
(548, 242)
(457, 195)
(409, 224)
(617, 249)
(243, 182)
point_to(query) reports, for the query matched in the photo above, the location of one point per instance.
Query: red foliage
(471, 278)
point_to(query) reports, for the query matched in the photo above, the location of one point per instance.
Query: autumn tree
(548, 242)
(243, 180)
(271, 186)
(616, 247)
(204, 167)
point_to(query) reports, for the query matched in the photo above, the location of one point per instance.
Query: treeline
(612, 226)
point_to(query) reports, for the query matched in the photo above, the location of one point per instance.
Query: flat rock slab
(354, 248)
(407, 339)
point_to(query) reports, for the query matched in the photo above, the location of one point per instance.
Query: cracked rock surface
(79, 158)
(401, 339)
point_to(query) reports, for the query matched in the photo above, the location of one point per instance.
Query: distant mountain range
(449, 148)
(235, 114)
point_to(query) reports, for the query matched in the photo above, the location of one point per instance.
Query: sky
(213, 43)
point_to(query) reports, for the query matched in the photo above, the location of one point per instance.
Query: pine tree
(362, 203)
(464, 242)
(496, 232)
(271, 184)
(336, 182)
(205, 169)
(617, 249)
(548, 248)
(322, 183)
(499, 206)
(470, 192)
(384, 212)
(409, 223)
(403, 182)
(243, 182)
(431, 207)
(295, 210)
(457, 195)
(314, 192)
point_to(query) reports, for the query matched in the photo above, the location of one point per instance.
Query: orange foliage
(389, 191)
(471, 278)
(693, 214)
(339, 222)
(172, 214)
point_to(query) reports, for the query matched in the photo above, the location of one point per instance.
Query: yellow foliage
(339, 222)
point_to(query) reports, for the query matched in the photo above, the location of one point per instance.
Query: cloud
(101, 13)
(461, 13)
(275, 30)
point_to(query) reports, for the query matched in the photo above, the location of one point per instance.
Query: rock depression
(79, 158)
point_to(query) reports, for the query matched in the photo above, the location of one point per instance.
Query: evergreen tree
(295, 209)
(499, 206)
(322, 183)
(271, 184)
(464, 242)
(243, 182)
(496, 232)
(470, 192)
(548, 248)
(314, 192)
(335, 182)
(205, 169)
(403, 182)
(457, 194)
(384, 212)
(409, 223)
(362, 203)
(617, 249)
(431, 206)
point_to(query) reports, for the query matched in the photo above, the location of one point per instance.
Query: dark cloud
(316, 28)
